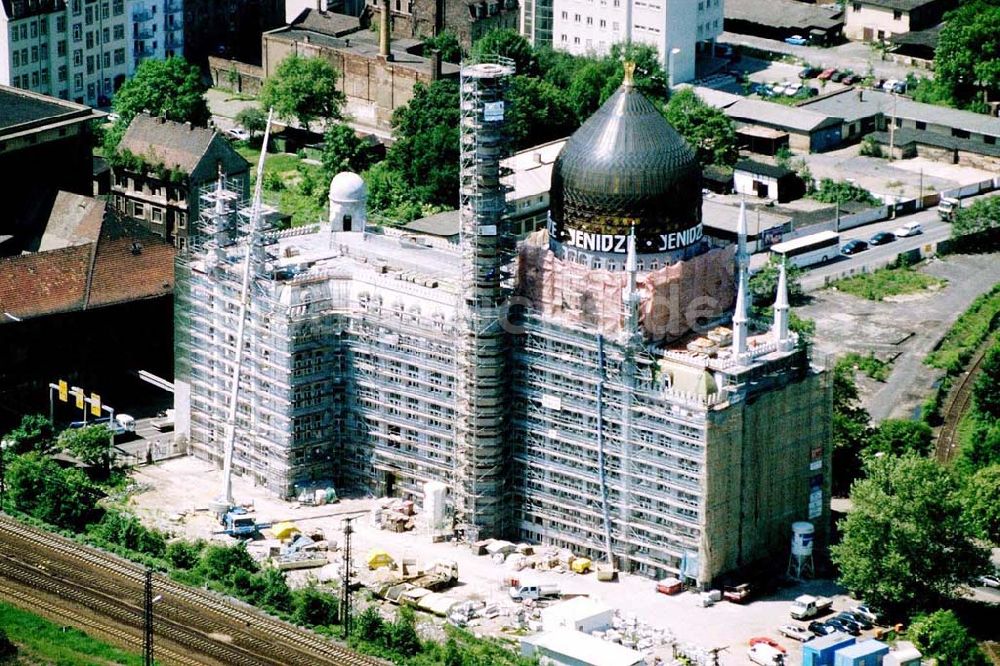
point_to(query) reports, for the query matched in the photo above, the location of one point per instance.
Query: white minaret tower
(631, 295)
(740, 315)
(780, 329)
(348, 203)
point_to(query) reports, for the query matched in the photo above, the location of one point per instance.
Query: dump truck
(806, 606)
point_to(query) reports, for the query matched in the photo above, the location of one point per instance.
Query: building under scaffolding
(593, 388)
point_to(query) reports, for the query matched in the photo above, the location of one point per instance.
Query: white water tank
(802, 538)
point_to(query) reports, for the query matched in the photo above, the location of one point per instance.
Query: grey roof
(176, 145)
(18, 107)
(851, 106)
(75, 220)
(327, 23)
(903, 5)
(904, 135)
(762, 168)
(443, 224)
(928, 37)
(784, 14)
(793, 118)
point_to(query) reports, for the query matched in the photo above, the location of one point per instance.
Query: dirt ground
(176, 493)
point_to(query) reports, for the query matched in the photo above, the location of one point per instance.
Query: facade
(45, 147)
(768, 181)
(156, 30)
(592, 388)
(536, 21)
(467, 19)
(809, 129)
(677, 28)
(73, 50)
(160, 188)
(228, 28)
(870, 20)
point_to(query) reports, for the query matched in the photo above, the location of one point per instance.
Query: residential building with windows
(871, 20)
(677, 28)
(156, 30)
(467, 19)
(75, 50)
(167, 162)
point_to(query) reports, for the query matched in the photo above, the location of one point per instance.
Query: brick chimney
(435, 62)
(383, 37)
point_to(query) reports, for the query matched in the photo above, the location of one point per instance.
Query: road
(856, 56)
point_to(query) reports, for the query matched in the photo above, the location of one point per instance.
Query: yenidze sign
(618, 243)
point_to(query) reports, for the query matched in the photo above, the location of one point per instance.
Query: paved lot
(906, 329)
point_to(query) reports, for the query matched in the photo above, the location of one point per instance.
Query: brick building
(467, 19)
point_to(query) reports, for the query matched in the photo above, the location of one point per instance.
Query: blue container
(865, 653)
(820, 651)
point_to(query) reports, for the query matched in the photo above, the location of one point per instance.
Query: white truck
(807, 606)
(948, 207)
(533, 591)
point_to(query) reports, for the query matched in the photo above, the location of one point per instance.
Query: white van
(765, 655)
(908, 229)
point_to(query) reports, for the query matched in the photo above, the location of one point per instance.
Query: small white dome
(347, 186)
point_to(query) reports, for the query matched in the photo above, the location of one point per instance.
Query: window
(61, 48)
(43, 52)
(118, 8)
(16, 59)
(88, 16)
(106, 35)
(24, 56)
(107, 58)
(576, 18)
(603, 23)
(43, 26)
(24, 31)
(34, 54)
(34, 78)
(13, 34)
(34, 29)
(590, 20)
(105, 11)
(701, 6)
(61, 74)
(921, 125)
(989, 140)
(119, 32)
(78, 57)
(137, 209)
(959, 133)
(897, 15)
(119, 56)
(562, 38)
(17, 81)
(107, 87)
(45, 76)
(77, 32)
(90, 65)
(77, 7)
(157, 214)
(90, 39)
(565, 15)
(614, 26)
(90, 91)
(576, 40)
(60, 24)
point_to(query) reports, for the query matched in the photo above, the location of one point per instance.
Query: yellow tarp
(284, 530)
(378, 558)
(580, 565)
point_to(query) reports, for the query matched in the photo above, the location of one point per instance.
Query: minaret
(780, 329)
(740, 315)
(631, 295)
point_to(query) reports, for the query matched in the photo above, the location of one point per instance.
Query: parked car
(765, 655)
(796, 40)
(827, 73)
(850, 621)
(780, 88)
(854, 246)
(847, 628)
(850, 79)
(862, 621)
(989, 580)
(888, 84)
(838, 76)
(865, 612)
(793, 89)
(821, 628)
(764, 640)
(881, 238)
(899, 87)
(809, 72)
(908, 229)
(238, 133)
(795, 632)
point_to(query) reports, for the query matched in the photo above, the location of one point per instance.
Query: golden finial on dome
(629, 73)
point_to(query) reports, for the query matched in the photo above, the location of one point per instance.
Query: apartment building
(156, 31)
(677, 28)
(75, 50)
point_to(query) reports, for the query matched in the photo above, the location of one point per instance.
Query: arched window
(347, 223)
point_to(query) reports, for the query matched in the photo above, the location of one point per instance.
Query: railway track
(958, 405)
(216, 628)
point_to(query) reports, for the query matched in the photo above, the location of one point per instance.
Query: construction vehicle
(440, 575)
(533, 591)
(736, 594)
(948, 207)
(240, 523)
(806, 606)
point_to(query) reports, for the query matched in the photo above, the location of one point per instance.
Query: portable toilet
(865, 653)
(820, 651)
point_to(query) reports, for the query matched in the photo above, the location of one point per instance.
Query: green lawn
(887, 282)
(284, 174)
(42, 642)
(968, 332)
(874, 368)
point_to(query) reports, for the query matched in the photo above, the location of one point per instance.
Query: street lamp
(4, 445)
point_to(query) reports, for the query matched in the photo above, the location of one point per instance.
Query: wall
(236, 76)
(744, 184)
(873, 18)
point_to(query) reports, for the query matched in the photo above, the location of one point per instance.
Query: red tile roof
(44, 282)
(131, 268)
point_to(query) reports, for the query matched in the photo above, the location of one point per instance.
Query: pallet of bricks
(395, 515)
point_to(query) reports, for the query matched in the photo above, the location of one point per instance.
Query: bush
(870, 148)
(831, 191)
(184, 554)
(125, 530)
(312, 607)
(219, 563)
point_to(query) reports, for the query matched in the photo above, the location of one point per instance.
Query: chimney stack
(435, 65)
(383, 38)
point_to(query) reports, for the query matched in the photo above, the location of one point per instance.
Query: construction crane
(225, 501)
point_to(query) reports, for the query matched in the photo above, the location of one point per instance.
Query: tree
(649, 77)
(763, 284)
(303, 89)
(940, 635)
(426, 151)
(851, 427)
(831, 191)
(8, 649)
(508, 43)
(39, 487)
(91, 444)
(447, 43)
(402, 634)
(586, 90)
(906, 545)
(184, 554)
(539, 113)
(390, 194)
(171, 88)
(370, 627)
(34, 433)
(313, 607)
(982, 502)
(967, 57)
(709, 131)
(344, 151)
(982, 215)
(899, 436)
(221, 562)
(986, 390)
(253, 119)
(127, 531)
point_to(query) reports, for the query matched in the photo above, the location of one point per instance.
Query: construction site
(594, 389)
